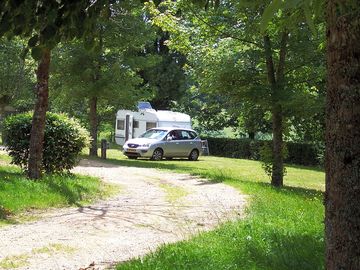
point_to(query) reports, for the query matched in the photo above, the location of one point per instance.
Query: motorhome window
(136, 124)
(150, 125)
(120, 124)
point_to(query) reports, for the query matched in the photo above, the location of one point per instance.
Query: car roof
(173, 128)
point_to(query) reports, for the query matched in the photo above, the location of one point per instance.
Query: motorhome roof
(172, 116)
(161, 116)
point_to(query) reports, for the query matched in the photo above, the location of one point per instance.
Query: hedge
(298, 153)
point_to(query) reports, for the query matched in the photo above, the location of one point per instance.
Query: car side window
(175, 135)
(185, 135)
(193, 135)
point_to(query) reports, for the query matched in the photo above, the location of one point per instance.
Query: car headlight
(146, 145)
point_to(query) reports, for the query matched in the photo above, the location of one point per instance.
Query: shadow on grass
(308, 168)
(282, 251)
(212, 176)
(69, 188)
(73, 193)
(146, 163)
(6, 175)
(230, 248)
(299, 192)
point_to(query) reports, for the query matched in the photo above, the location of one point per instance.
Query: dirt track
(154, 207)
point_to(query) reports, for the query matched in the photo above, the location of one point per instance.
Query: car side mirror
(169, 138)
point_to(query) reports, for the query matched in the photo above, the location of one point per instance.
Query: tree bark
(276, 81)
(93, 126)
(278, 144)
(38, 121)
(342, 199)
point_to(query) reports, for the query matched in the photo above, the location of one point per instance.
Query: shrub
(267, 157)
(297, 153)
(63, 142)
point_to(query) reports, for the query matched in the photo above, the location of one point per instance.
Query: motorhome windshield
(154, 134)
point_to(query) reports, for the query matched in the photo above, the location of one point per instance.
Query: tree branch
(282, 55)
(269, 62)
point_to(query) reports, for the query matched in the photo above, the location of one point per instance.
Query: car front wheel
(158, 154)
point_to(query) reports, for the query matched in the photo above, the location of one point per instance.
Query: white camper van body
(130, 124)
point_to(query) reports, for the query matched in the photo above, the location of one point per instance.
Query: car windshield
(155, 134)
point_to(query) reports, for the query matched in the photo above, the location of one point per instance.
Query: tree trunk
(93, 126)
(342, 199)
(251, 135)
(278, 163)
(276, 81)
(38, 121)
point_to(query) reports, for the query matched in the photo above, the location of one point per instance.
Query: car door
(171, 146)
(185, 144)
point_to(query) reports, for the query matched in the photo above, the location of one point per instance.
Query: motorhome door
(128, 127)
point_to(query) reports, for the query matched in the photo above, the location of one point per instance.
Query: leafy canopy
(44, 23)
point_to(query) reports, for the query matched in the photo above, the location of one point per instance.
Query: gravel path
(154, 207)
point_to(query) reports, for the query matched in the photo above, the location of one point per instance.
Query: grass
(283, 228)
(173, 193)
(19, 194)
(21, 260)
(12, 262)
(54, 248)
(220, 169)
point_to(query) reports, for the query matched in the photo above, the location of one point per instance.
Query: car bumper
(137, 152)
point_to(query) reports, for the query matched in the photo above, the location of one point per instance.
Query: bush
(267, 157)
(297, 153)
(63, 142)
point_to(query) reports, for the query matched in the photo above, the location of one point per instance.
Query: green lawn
(17, 193)
(283, 228)
(220, 169)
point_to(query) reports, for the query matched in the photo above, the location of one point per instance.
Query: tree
(166, 77)
(342, 164)
(342, 200)
(105, 78)
(16, 85)
(233, 56)
(44, 24)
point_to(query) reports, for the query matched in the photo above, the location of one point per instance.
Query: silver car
(158, 143)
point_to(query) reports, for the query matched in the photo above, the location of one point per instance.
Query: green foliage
(111, 73)
(15, 76)
(267, 158)
(225, 53)
(64, 140)
(45, 23)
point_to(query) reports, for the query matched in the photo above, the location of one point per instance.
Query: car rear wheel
(157, 154)
(194, 155)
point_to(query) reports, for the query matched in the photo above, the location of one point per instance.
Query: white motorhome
(130, 124)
